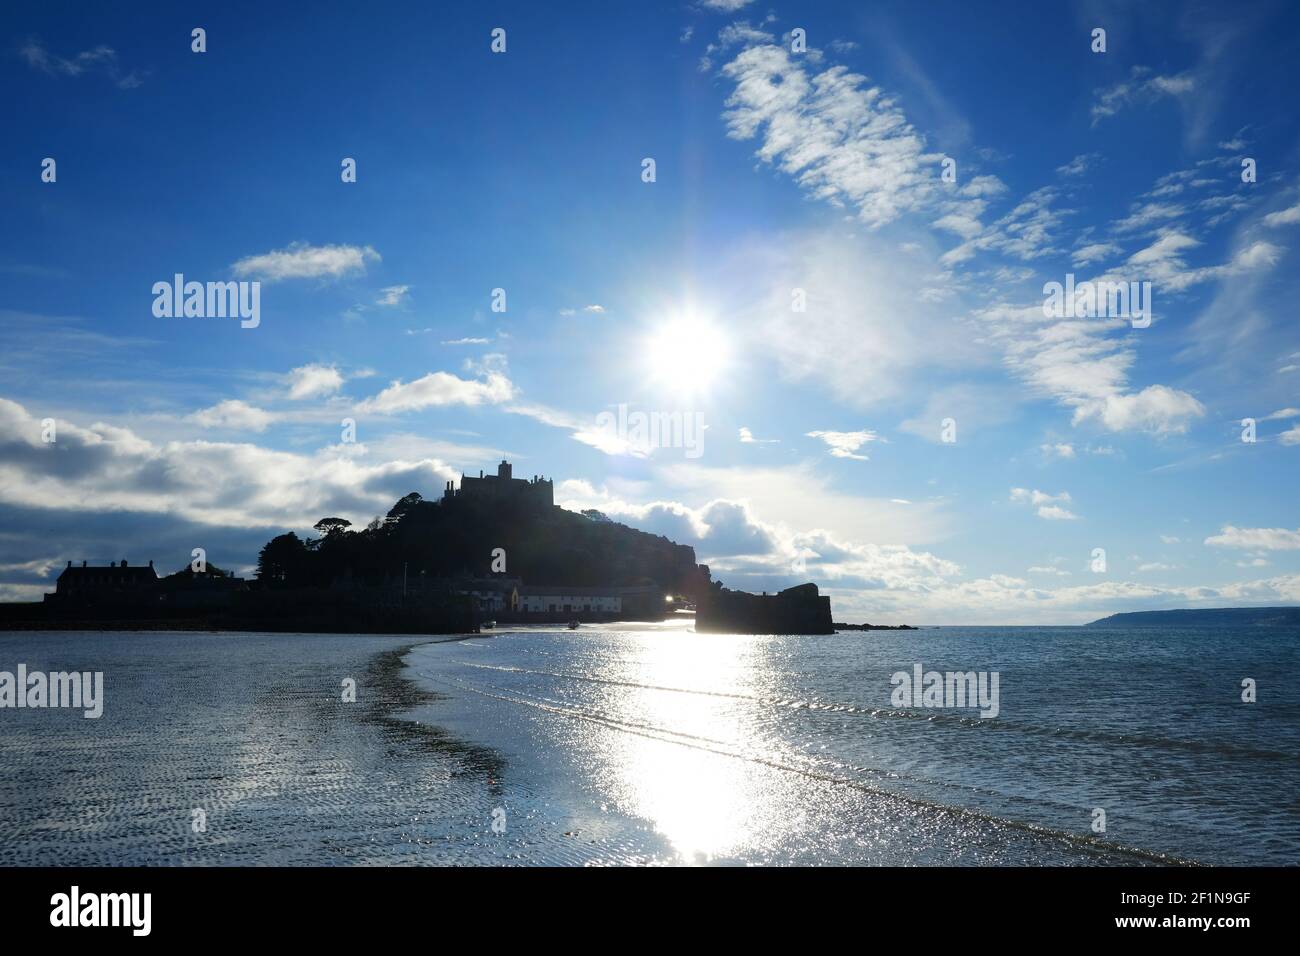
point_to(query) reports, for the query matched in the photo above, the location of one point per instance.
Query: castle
(502, 487)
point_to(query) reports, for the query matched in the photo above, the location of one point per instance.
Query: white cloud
(310, 381)
(1046, 505)
(1255, 539)
(1058, 449)
(440, 389)
(1284, 217)
(1145, 215)
(1157, 408)
(1141, 87)
(747, 438)
(840, 140)
(1075, 362)
(746, 550)
(394, 295)
(1079, 165)
(1163, 263)
(467, 341)
(1028, 231)
(1094, 252)
(844, 444)
(233, 414)
(301, 261)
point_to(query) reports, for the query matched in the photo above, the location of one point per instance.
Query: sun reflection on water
(671, 774)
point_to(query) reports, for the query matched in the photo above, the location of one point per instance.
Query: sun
(687, 356)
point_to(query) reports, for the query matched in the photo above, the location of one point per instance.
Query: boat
(488, 625)
(573, 625)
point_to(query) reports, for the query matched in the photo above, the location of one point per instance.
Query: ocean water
(654, 745)
(787, 749)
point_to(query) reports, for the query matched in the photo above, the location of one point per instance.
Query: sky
(811, 241)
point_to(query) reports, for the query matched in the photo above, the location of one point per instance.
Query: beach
(627, 744)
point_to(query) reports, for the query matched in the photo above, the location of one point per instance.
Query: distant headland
(1205, 617)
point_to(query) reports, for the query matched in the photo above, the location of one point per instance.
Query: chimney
(69, 562)
(83, 564)
(151, 562)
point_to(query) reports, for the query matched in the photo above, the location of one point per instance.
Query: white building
(570, 598)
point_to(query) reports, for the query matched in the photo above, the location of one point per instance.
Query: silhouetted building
(188, 588)
(114, 582)
(502, 487)
(496, 595)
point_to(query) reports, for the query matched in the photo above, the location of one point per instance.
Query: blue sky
(776, 169)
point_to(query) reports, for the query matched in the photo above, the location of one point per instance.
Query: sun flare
(687, 355)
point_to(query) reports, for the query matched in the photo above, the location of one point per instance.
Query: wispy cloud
(840, 139)
(845, 444)
(394, 295)
(101, 59)
(302, 261)
(1255, 539)
(1142, 87)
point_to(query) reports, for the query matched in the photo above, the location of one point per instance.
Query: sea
(652, 745)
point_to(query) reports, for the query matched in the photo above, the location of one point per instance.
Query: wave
(1002, 724)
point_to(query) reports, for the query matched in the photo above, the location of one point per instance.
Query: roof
(138, 574)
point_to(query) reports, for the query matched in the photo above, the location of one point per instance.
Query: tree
(329, 526)
(283, 560)
(404, 506)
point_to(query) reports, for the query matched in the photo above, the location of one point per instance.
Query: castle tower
(504, 470)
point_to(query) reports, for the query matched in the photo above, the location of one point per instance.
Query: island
(493, 550)
(796, 610)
